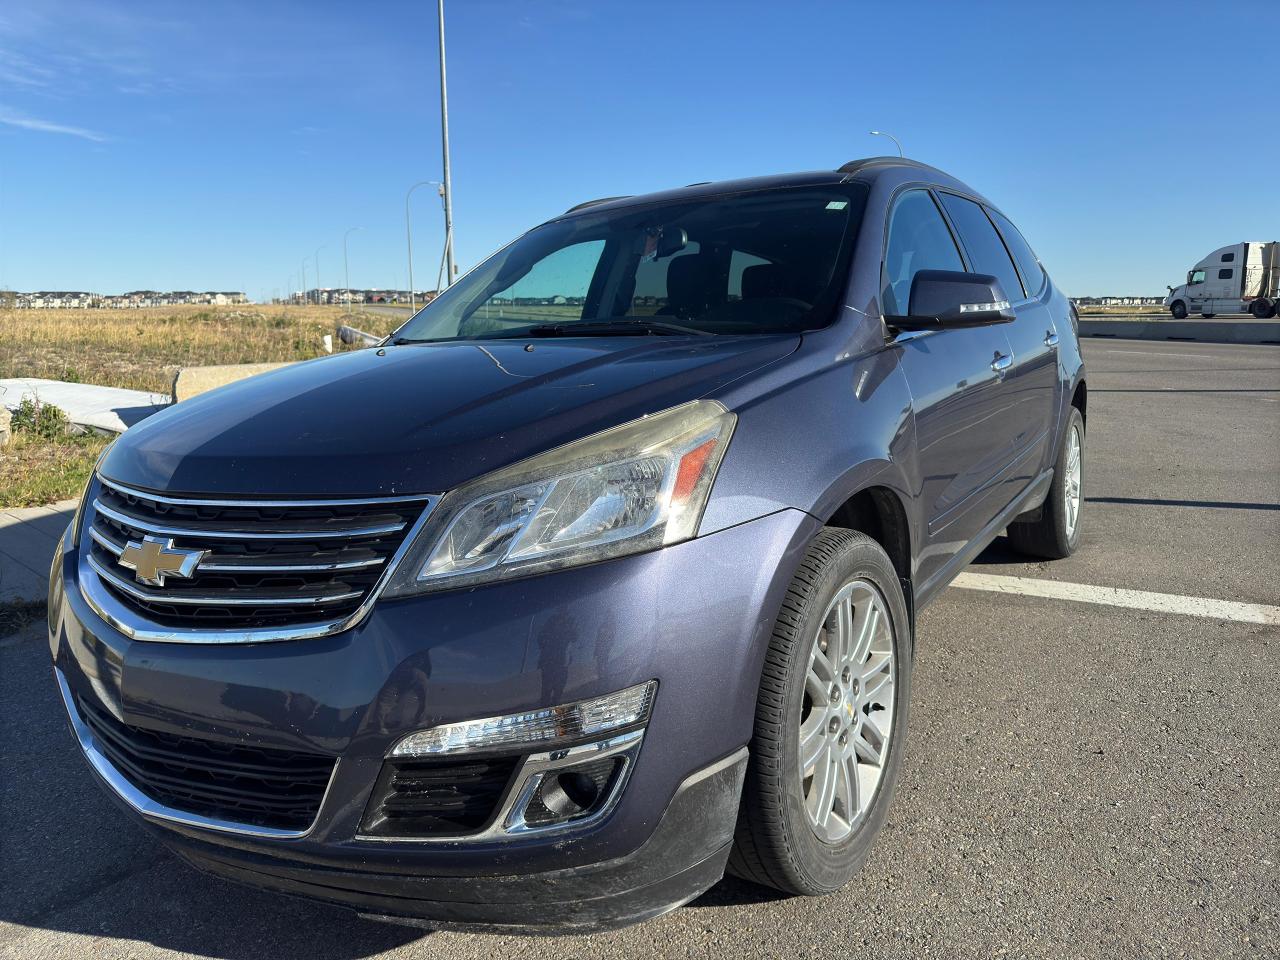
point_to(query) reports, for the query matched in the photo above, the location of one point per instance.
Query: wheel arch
(880, 511)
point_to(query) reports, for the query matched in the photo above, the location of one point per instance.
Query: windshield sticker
(837, 204)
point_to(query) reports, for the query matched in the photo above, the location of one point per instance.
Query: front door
(963, 417)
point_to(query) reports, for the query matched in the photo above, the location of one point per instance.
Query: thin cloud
(12, 119)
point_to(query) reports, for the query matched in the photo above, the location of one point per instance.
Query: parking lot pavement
(1081, 779)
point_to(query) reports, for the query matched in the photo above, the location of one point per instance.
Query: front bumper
(696, 617)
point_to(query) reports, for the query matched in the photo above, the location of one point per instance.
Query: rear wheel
(1178, 309)
(1056, 533)
(830, 720)
(1262, 310)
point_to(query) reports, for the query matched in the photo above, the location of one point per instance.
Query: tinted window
(918, 240)
(1028, 266)
(760, 262)
(1228, 258)
(1224, 274)
(985, 248)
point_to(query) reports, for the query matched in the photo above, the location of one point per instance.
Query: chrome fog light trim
(563, 724)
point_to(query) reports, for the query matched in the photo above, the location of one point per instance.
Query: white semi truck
(1241, 278)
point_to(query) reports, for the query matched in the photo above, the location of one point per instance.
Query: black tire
(774, 844)
(1047, 536)
(1262, 310)
(1178, 309)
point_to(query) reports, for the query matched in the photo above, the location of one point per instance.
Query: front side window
(1028, 265)
(1225, 274)
(1195, 276)
(919, 239)
(768, 261)
(986, 250)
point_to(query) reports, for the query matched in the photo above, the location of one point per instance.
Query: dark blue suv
(599, 577)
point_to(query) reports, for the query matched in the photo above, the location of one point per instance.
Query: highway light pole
(881, 133)
(318, 249)
(303, 276)
(408, 230)
(447, 188)
(346, 276)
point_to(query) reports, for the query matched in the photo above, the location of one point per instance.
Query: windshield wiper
(606, 328)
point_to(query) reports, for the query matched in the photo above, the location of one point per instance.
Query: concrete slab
(105, 408)
(27, 541)
(191, 381)
(1245, 330)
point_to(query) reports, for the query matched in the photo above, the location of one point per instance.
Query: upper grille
(259, 786)
(267, 563)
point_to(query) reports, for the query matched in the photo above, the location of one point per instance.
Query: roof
(864, 169)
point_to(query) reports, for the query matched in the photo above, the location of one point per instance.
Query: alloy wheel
(1071, 489)
(847, 712)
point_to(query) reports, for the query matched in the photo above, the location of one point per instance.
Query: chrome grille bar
(301, 502)
(195, 533)
(242, 566)
(176, 597)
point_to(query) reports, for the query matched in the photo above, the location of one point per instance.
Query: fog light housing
(565, 724)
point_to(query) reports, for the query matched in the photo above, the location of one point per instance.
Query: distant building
(78, 300)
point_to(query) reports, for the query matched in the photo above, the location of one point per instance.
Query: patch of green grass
(45, 461)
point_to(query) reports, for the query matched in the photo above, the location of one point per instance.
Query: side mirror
(944, 299)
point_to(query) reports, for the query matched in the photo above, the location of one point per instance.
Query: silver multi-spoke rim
(1071, 490)
(846, 717)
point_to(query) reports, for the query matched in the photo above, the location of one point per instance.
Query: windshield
(768, 261)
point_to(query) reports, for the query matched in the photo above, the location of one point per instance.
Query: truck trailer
(1241, 278)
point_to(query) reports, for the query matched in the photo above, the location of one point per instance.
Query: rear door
(963, 419)
(1033, 382)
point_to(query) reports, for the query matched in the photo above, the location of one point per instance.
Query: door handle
(1050, 338)
(1001, 363)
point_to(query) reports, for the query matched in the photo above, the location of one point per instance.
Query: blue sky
(215, 145)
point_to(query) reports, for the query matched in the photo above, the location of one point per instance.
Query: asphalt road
(1082, 780)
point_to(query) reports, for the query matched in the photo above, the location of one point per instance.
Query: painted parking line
(1114, 597)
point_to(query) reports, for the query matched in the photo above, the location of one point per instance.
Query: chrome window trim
(153, 809)
(132, 625)
(508, 822)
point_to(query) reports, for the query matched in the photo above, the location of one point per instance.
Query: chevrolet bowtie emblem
(156, 558)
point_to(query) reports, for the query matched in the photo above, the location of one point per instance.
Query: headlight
(635, 487)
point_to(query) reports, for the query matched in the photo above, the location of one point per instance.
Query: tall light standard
(447, 189)
(408, 230)
(346, 277)
(303, 276)
(881, 133)
(318, 249)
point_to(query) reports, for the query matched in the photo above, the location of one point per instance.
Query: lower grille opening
(437, 797)
(573, 793)
(256, 786)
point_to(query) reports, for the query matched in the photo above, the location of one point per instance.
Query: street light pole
(408, 231)
(881, 133)
(447, 187)
(303, 275)
(346, 276)
(318, 249)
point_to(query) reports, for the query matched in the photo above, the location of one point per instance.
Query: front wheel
(831, 720)
(1055, 534)
(1178, 309)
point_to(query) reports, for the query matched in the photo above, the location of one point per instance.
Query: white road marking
(1114, 597)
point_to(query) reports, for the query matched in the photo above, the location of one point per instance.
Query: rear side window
(986, 249)
(1229, 258)
(918, 240)
(1028, 265)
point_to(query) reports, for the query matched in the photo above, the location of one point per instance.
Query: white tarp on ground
(105, 408)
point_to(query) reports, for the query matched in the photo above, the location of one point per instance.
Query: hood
(419, 418)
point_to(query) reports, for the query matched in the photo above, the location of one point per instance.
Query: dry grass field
(143, 349)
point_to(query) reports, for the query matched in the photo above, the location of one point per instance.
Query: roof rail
(592, 203)
(853, 166)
